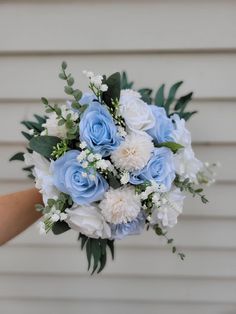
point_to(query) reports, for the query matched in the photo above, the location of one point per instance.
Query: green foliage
(146, 95)
(60, 227)
(174, 147)
(114, 87)
(125, 84)
(158, 230)
(190, 187)
(44, 145)
(96, 251)
(17, 156)
(60, 149)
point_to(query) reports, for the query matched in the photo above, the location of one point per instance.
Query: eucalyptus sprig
(69, 90)
(190, 187)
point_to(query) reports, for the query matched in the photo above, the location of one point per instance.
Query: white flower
(181, 134)
(121, 131)
(124, 178)
(83, 145)
(120, 205)
(51, 126)
(104, 87)
(89, 74)
(42, 172)
(89, 221)
(137, 114)
(133, 153)
(168, 208)
(186, 164)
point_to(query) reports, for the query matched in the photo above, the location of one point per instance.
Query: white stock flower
(120, 205)
(169, 206)
(186, 164)
(137, 114)
(133, 153)
(89, 221)
(42, 172)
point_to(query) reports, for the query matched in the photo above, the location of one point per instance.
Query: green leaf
(64, 65)
(103, 261)
(77, 94)
(171, 95)
(183, 101)
(125, 84)
(44, 101)
(62, 76)
(32, 125)
(187, 115)
(70, 81)
(18, 156)
(40, 119)
(171, 145)
(146, 95)
(159, 98)
(68, 90)
(114, 86)
(60, 227)
(110, 244)
(27, 135)
(88, 252)
(44, 144)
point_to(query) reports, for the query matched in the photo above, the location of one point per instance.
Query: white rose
(186, 164)
(42, 172)
(89, 221)
(137, 114)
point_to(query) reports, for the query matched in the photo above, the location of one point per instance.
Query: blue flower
(87, 98)
(133, 227)
(159, 168)
(98, 130)
(161, 132)
(68, 178)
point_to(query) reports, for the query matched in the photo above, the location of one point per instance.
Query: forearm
(17, 212)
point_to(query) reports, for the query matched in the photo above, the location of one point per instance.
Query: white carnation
(89, 221)
(133, 153)
(186, 164)
(120, 206)
(42, 172)
(168, 208)
(137, 114)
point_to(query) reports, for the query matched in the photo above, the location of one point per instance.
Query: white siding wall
(155, 41)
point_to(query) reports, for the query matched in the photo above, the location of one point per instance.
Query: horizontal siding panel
(209, 25)
(209, 114)
(139, 288)
(128, 261)
(209, 75)
(225, 154)
(27, 306)
(207, 234)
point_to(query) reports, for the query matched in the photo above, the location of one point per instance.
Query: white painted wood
(223, 110)
(34, 76)
(130, 25)
(130, 261)
(62, 306)
(120, 288)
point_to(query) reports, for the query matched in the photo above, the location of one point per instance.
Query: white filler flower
(137, 114)
(133, 153)
(89, 221)
(169, 208)
(120, 205)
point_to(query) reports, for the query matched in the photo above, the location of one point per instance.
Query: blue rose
(160, 168)
(68, 178)
(133, 227)
(162, 130)
(87, 98)
(98, 130)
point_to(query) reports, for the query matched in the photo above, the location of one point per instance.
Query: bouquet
(112, 162)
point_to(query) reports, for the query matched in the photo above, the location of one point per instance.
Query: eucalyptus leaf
(44, 144)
